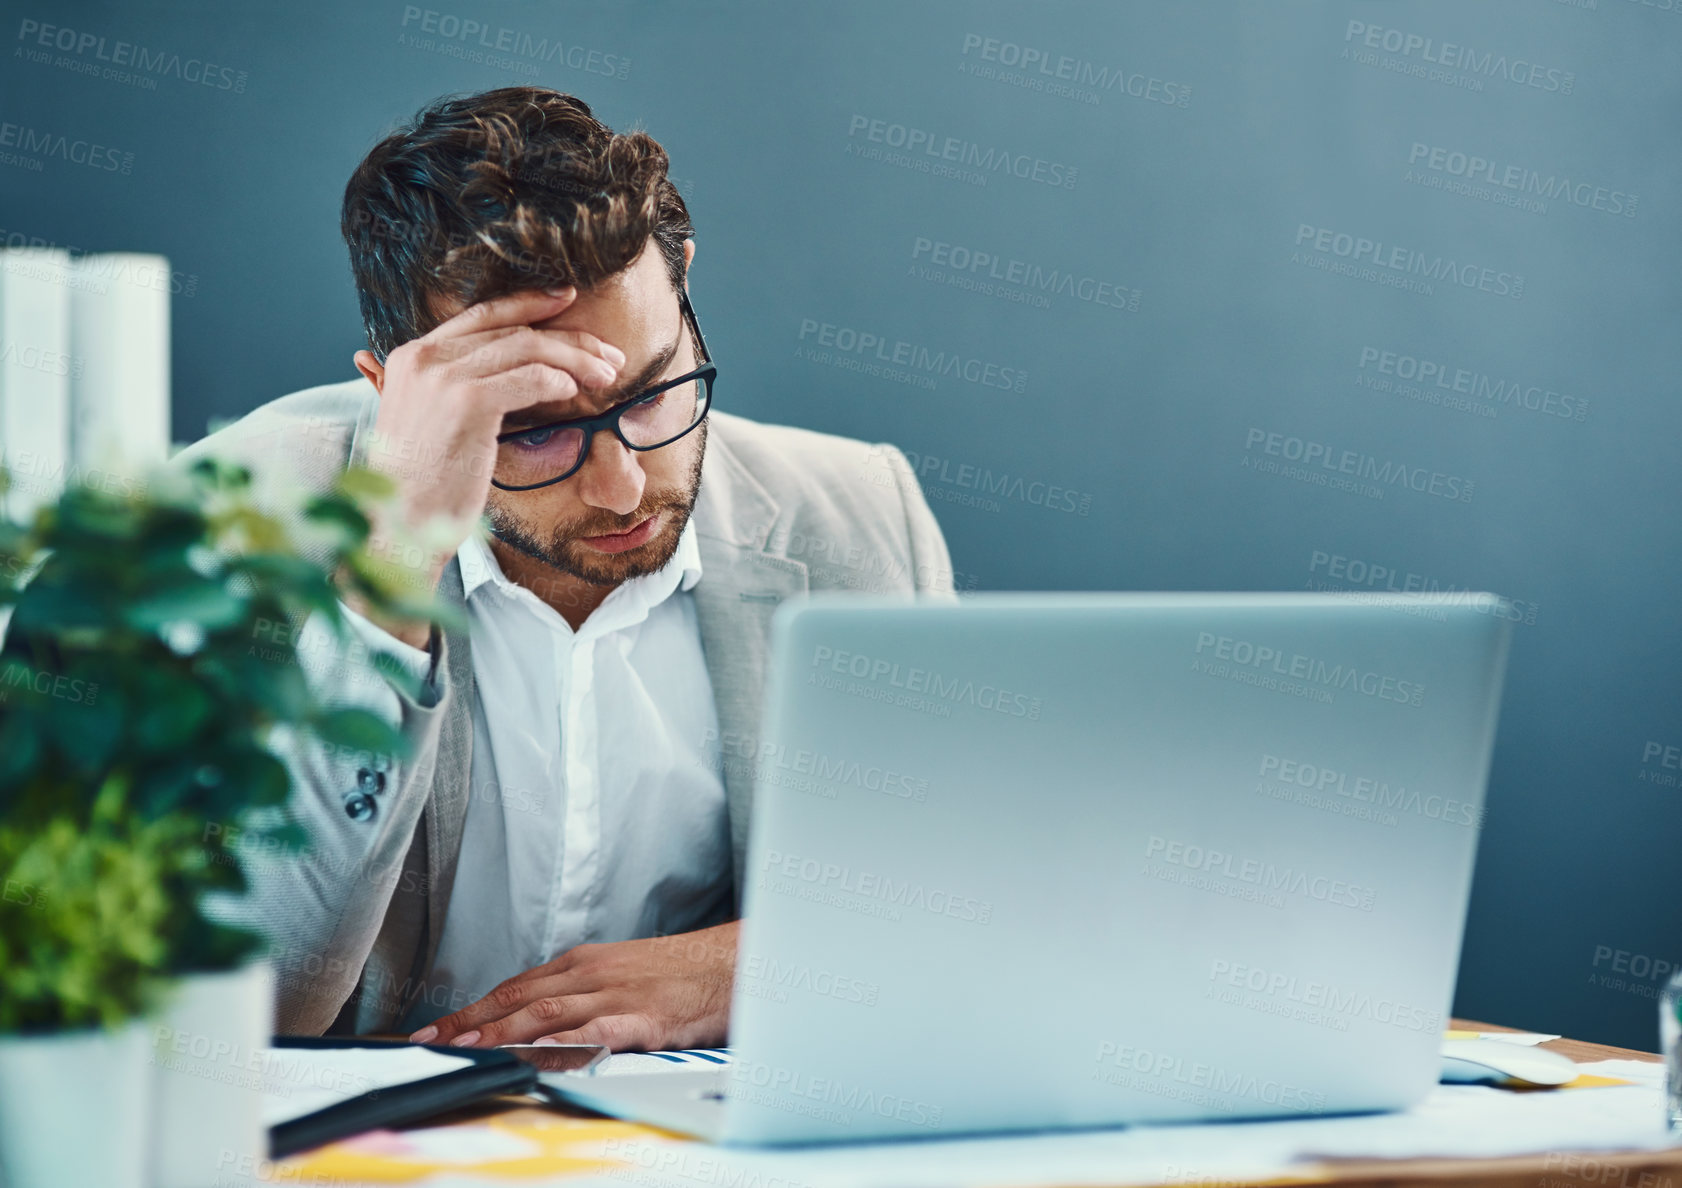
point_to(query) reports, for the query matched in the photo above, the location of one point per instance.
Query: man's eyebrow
(619, 394)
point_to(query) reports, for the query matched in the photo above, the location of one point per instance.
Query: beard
(562, 552)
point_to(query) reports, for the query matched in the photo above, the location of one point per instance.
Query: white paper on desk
(1455, 1120)
(1642, 1072)
(1480, 1121)
(1528, 1039)
(300, 1081)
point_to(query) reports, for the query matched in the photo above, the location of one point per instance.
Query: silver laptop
(1064, 860)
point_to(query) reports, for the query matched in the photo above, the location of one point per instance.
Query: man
(560, 856)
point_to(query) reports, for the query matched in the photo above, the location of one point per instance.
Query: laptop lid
(1053, 860)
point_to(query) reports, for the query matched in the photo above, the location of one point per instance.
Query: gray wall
(1267, 226)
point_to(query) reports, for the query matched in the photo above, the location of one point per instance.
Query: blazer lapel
(742, 583)
(445, 815)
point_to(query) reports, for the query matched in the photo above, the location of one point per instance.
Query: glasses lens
(545, 454)
(661, 418)
(537, 456)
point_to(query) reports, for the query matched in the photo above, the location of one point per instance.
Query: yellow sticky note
(517, 1147)
(1590, 1081)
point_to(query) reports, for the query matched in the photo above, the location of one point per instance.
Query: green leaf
(359, 730)
(275, 572)
(172, 528)
(397, 674)
(20, 745)
(50, 604)
(171, 709)
(289, 836)
(350, 527)
(210, 946)
(277, 688)
(84, 511)
(256, 777)
(283, 587)
(14, 540)
(209, 604)
(363, 485)
(86, 735)
(164, 786)
(215, 473)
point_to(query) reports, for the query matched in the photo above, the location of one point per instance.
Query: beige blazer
(780, 512)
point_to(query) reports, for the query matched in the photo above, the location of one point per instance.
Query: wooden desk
(1559, 1169)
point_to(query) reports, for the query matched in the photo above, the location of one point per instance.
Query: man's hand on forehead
(594, 401)
(508, 337)
(444, 395)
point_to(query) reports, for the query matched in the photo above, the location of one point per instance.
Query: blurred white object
(120, 384)
(1670, 1045)
(1492, 1061)
(36, 367)
(75, 1108)
(207, 1090)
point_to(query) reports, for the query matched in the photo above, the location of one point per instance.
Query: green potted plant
(141, 676)
(83, 924)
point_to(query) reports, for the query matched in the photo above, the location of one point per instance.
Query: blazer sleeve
(931, 564)
(322, 907)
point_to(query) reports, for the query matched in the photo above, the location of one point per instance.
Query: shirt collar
(688, 556)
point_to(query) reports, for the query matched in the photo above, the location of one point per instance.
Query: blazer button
(371, 782)
(359, 806)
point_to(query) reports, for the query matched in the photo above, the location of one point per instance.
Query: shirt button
(359, 806)
(371, 782)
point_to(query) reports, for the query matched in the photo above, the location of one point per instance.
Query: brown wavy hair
(483, 195)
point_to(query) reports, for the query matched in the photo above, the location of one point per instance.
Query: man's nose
(611, 477)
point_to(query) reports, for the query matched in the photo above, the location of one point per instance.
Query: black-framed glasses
(543, 455)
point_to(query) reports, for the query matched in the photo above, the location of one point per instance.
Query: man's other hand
(637, 995)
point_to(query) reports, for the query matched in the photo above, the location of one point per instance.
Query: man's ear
(370, 369)
(688, 259)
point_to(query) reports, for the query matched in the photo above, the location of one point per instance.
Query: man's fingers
(633, 995)
(528, 367)
(511, 369)
(621, 1033)
(599, 347)
(543, 1015)
(507, 998)
(514, 309)
(510, 346)
(543, 392)
(510, 996)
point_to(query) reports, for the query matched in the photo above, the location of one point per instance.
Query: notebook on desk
(316, 1089)
(1035, 861)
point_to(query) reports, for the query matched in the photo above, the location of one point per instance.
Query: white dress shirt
(597, 808)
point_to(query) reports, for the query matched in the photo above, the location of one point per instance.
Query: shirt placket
(578, 856)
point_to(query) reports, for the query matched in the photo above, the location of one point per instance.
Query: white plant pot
(207, 1104)
(73, 1108)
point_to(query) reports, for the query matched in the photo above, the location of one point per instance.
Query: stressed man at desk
(561, 854)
